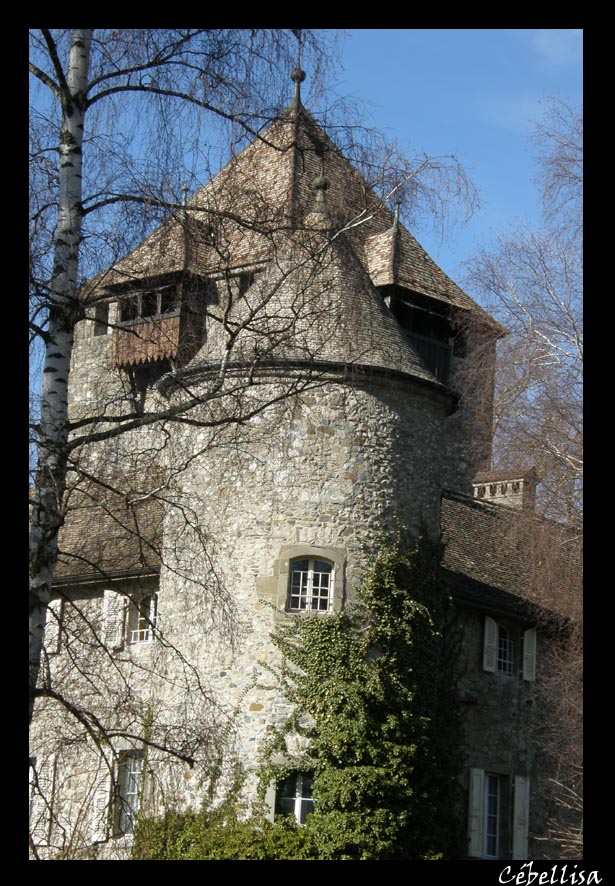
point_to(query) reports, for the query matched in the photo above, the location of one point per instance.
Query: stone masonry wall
(330, 470)
(502, 723)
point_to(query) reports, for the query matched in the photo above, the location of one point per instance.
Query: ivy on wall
(373, 692)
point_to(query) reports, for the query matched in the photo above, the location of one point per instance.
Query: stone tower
(289, 368)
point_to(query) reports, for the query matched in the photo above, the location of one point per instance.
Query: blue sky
(474, 92)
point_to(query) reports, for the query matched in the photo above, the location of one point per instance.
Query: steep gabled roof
(238, 217)
(515, 553)
(110, 530)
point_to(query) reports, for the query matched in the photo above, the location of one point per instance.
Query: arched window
(310, 585)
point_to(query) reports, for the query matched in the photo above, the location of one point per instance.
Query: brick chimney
(514, 489)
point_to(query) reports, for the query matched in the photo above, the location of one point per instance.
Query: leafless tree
(532, 282)
(558, 137)
(117, 128)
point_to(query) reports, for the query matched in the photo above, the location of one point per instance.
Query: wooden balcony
(146, 341)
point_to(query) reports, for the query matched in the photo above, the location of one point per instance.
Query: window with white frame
(128, 791)
(143, 614)
(128, 618)
(294, 797)
(505, 658)
(310, 585)
(492, 815)
(498, 815)
(507, 650)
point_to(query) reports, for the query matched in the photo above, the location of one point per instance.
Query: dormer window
(159, 322)
(428, 328)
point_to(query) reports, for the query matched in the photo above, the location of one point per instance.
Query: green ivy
(373, 690)
(378, 684)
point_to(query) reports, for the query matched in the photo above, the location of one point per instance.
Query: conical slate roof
(251, 216)
(232, 221)
(313, 302)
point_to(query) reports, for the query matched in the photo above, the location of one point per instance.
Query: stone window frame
(336, 556)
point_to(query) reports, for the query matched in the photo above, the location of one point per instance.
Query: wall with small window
(499, 666)
(80, 796)
(307, 579)
(129, 617)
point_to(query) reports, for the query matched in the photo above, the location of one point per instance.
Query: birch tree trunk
(63, 314)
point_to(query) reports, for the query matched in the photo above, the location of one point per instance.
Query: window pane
(299, 585)
(130, 309)
(129, 788)
(492, 811)
(505, 660)
(310, 585)
(101, 318)
(299, 565)
(168, 300)
(322, 566)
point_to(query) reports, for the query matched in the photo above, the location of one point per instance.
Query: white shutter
(100, 807)
(521, 812)
(475, 812)
(529, 654)
(52, 626)
(490, 644)
(270, 796)
(114, 615)
(42, 775)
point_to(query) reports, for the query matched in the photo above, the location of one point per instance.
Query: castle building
(272, 378)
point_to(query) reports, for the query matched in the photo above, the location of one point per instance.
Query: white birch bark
(63, 314)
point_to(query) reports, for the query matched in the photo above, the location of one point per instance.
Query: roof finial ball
(297, 76)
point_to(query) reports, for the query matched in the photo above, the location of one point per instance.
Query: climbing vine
(375, 712)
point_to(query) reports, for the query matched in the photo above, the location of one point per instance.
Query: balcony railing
(144, 341)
